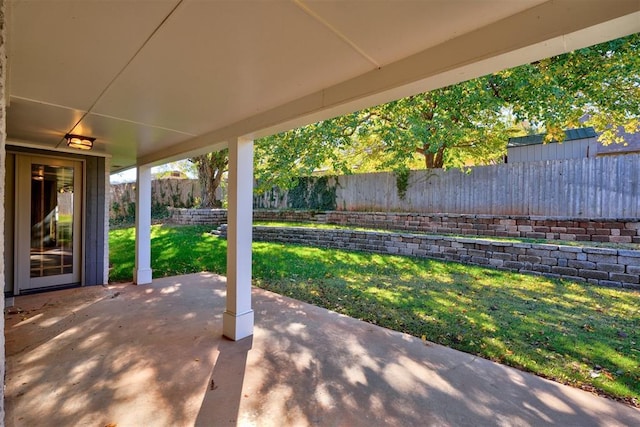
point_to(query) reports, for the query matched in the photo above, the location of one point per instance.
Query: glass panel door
(51, 220)
(48, 222)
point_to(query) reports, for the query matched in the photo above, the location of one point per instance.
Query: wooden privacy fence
(164, 192)
(600, 187)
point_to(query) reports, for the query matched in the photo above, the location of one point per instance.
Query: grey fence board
(600, 187)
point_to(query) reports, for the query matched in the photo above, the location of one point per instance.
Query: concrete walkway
(153, 355)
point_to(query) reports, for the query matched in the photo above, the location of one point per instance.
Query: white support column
(142, 269)
(107, 204)
(238, 317)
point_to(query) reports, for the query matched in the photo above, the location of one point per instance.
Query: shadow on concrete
(322, 368)
(221, 403)
(128, 355)
(147, 355)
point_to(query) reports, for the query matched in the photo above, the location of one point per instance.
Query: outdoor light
(38, 173)
(79, 142)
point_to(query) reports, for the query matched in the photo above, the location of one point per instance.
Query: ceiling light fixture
(79, 142)
(37, 173)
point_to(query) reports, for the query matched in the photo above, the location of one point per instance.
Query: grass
(577, 334)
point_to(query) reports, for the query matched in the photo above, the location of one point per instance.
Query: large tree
(210, 169)
(596, 86)
(469, 122)
(447, 126)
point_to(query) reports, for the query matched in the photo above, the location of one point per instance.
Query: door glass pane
(51, 220)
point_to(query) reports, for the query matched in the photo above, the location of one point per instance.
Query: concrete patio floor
(154, 355)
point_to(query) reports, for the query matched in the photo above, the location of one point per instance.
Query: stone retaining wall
(600, 266)
(548, 228)
(185, 216)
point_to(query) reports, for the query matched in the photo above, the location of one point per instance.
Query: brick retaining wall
(549, 228)
(601, 266)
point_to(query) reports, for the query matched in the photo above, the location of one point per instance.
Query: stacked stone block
(197, 216)
(285, 215)
(599, 266)
(533, 227)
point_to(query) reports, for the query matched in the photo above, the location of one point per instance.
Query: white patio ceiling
(157, 80)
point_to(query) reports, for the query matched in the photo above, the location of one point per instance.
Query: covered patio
(148, 82)
(129, 356)
(138, 84)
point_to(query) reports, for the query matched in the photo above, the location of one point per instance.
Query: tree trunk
(210, 169)
(434, 160)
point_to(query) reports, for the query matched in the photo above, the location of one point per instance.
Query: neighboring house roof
(631, 140)
(570, 135)
(631, 144)
(170, 175)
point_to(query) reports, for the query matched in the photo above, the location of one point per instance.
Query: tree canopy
(470, 122)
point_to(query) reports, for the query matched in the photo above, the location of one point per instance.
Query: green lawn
(577, 334)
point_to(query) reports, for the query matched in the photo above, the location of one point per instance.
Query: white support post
(142, 269)
(107, 205)
(238, 317)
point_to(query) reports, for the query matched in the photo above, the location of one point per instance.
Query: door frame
(22, 234)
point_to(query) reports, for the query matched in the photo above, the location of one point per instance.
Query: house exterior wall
(94, 217)
(3, 137)
(94, 211)
(9, 196)
(576, 149)
(105, 226)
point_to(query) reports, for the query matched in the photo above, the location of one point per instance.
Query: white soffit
(62, 55)
(37, 122)
(215, 63)
(389, 31)
(158, 80)
(66, 52)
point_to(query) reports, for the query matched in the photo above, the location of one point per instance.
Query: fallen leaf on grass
(607, 374)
